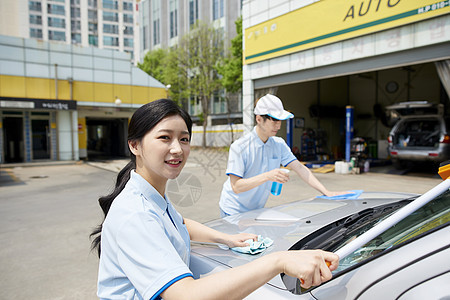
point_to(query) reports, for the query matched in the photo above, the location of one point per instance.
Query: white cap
(272, 106)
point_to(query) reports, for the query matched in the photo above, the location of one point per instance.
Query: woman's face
(163, 151)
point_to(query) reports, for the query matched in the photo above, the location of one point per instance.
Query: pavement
(48, 209)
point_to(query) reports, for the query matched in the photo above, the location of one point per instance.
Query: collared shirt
(250, 156)
(143, 249)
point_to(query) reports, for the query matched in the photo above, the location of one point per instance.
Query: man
(254, 162)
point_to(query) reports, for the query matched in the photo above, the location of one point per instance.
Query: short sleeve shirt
(145, 246)
(250, 156)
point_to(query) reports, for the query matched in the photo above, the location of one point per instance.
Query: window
(110, 4)
(75, 12)
(36, 33)
(217, 9)
(92, 27)
(173, 6)
(156, 11)
(128, 30)
(128, 6)
(128, 42)
(193, 11)
(34, 19)
(34, 6)
(110, 41)
(76, 38)
(110, 28)
(144, 37)
(92, 15)
(56, 35)
(110, 16)
(195, 106)
(338, 234)
(93, 40)
(74, 2)
(219, 105)
(55, 9)
(56, 22)
(92, 3)
(127, 18)
(75, 24)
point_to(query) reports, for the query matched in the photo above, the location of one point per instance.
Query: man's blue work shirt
(250, 156)
(145, 246)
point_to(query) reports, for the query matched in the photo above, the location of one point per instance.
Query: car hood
(287, 224)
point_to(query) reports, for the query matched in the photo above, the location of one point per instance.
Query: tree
(231, 69)
(200, 52)
(162, 64)
(154, 64)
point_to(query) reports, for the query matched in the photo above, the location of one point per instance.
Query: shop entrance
(13, 139)
(40, 134)
(106, 138)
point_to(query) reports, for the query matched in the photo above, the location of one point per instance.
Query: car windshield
(434, 214)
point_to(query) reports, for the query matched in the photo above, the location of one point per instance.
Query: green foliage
(154, 64)
(231, 68)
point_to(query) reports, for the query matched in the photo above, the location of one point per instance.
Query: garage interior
(106, 138)
(319, 105)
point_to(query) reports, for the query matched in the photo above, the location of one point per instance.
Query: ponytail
(106, 201)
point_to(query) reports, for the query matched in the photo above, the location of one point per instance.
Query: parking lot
(47, 212)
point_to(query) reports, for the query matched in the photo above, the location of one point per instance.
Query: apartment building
(109, 24)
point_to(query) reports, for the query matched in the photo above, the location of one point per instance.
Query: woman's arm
(237, 283)
(201, 233)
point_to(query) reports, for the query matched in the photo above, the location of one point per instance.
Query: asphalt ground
(48, 209)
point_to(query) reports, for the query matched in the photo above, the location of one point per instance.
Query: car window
(332, 237)
(430, 216)
(418, 133)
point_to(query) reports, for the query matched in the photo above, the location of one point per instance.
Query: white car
(420, 134)
(411, 260)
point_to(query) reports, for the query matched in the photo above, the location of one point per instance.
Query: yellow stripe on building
(329, 21)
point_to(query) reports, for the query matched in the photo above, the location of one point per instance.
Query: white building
(109, 24)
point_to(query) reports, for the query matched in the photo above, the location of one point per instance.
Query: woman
(145, 243)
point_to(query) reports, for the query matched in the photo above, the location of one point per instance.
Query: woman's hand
(238, 240)
(310, 266)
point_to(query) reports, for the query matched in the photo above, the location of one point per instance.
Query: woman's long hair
(143, 120)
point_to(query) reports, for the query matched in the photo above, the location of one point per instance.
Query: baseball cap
(271, 105)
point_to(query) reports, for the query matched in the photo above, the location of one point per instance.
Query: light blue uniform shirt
(143, 248)
(249, 157)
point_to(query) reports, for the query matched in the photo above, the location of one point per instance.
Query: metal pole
(56, 81)
(289, 132)
(348, 130)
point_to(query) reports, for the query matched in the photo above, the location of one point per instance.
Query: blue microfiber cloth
(255, 247)
(354, 194)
